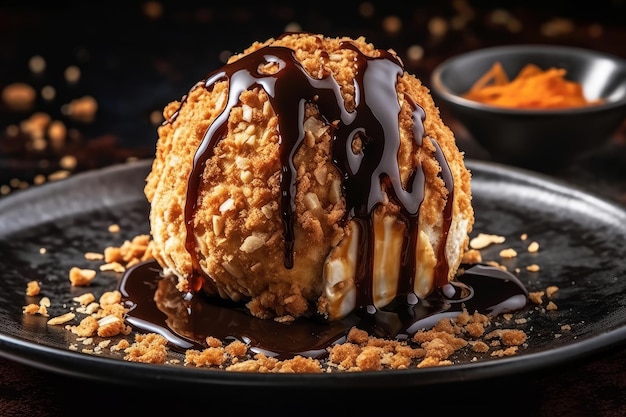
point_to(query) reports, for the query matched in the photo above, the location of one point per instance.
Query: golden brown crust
(237, 224)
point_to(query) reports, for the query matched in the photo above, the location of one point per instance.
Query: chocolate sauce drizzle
(367, 176)
(185, 320)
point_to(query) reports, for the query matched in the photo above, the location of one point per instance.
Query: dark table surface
(135, 57)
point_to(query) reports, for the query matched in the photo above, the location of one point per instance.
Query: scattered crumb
(114, 228)
(131, 252)
(81, 277)
(94, 256)
(480, 347)
(33, 309)
(509, 337)
(113, 266)
(533, 268)
(32, 288)
(121, 345)
(112, 325)
(62, 319)
(482, 240)
(110, 298)
(551, 290)
(533, 247)
(148, 348)
(85, 299)
(89, 308)
(536, 297)
(508, 253)
(510, 351)
(87, 327)
(45, 301)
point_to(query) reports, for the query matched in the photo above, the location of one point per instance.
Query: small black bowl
(539, 139)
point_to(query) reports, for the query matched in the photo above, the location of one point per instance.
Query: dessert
(309, 176)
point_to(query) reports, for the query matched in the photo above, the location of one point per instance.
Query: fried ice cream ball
(309, 176)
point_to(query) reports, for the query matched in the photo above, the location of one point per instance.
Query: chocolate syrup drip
(156, 305)
(442, 268)
(288, 89)
(367, 176)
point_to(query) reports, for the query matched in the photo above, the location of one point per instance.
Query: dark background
(136, 56)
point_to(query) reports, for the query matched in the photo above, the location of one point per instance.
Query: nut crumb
(84, 299)
(482, 240)
(62, 319)
(508, 253)
(32, 288)
(113, 266)
(110, 298)
(121, 345)
(147, 348)
(551, 290)
(33, 309)
(536, 297)
(81, 277)
(510, 351)
(94, 256)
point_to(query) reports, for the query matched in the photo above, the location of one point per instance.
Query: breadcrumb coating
(237, 249)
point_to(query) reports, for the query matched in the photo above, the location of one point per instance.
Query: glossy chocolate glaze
(186, 319)
(369, 176)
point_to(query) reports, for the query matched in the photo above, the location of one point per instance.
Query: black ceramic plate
(582, 251)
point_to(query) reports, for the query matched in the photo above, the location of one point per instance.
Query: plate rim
(83, 365)
(151, 375)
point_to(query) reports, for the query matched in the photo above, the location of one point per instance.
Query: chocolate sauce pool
(186, 319)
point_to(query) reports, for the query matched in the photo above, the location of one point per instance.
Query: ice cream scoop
(309, 176)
